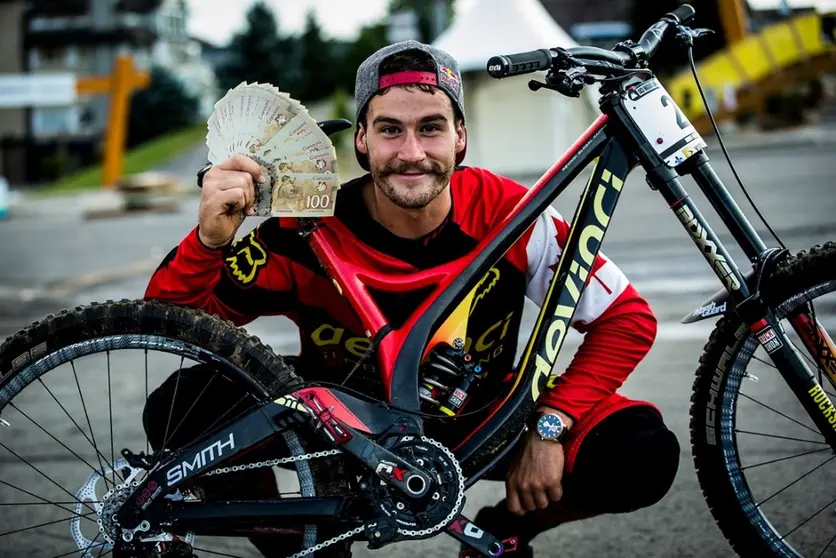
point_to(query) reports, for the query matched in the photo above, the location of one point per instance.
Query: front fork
(748, 299)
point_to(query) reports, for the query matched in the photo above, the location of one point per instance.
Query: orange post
(734, 18)
(119, 85)
(120, 91)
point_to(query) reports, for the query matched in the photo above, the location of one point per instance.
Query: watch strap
(201, 173)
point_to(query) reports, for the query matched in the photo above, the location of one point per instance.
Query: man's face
(411, 141)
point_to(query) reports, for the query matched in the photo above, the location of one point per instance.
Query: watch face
(549, 426)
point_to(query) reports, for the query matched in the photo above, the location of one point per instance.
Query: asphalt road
(49, 264)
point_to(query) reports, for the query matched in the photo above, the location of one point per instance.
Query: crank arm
(481, 542)
(408, 479)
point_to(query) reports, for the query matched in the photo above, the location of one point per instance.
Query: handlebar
(623, 55)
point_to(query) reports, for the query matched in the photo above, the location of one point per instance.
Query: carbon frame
(614, 146)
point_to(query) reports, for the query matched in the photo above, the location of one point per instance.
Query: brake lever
(686, 35)
(570, 83)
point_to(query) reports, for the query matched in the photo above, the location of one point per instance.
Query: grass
(146, 156)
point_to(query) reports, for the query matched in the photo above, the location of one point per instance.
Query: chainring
(422, 518)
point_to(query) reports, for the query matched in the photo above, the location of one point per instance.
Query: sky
(217, 20)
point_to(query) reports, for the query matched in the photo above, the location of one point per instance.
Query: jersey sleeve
(618, 325)
(238, 283)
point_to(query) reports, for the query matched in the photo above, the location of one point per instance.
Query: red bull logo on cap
(448, 76)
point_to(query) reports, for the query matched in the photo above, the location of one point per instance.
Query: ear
(461, 136)
(360, 139)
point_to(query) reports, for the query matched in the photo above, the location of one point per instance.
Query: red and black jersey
(272, 271)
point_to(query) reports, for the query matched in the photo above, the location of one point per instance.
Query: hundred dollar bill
(321, 161)
(297, 195)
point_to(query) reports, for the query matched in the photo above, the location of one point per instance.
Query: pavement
(58, 259)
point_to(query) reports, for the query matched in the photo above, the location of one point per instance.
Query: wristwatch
(549, 426)
(202, 172)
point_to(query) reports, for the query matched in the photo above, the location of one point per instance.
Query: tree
(318, 64)
(162, 107)
(350, 56)
(260, 54)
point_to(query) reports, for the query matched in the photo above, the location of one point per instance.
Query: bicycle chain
(356, 531)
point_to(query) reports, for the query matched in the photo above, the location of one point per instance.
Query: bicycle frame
(614, 146)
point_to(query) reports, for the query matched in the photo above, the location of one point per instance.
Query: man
(419, 207)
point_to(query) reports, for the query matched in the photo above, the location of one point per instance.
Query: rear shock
(447, 376)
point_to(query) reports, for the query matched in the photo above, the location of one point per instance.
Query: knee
(169, 403)
(630, 464)
(651, 467)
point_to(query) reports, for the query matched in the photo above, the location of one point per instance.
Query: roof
(492, 27)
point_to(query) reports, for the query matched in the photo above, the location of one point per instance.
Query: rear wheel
(81, 409)
(741, 405)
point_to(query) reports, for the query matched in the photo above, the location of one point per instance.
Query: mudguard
(720, 303)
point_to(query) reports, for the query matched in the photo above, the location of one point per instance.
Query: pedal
(480, 541)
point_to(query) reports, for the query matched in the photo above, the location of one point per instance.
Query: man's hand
(227, 199)
(534, 479)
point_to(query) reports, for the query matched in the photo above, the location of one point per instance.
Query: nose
(411, 150)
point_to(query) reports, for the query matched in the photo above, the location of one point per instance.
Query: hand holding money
(227, 196)
(275, 132)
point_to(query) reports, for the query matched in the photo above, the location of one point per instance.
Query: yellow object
(119, 85)
(753, 66)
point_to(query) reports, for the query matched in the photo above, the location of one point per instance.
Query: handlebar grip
(520, 63)
(683, 13)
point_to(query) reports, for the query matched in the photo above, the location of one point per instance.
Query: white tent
(512, 130)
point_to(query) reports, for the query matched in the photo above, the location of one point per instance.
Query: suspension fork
(816, 340)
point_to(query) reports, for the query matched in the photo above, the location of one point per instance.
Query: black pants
(626, 462)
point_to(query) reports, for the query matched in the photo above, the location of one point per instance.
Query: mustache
(426, 167)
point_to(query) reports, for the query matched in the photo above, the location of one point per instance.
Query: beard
(412, 194)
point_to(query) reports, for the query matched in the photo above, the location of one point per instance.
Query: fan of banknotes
(275, 130)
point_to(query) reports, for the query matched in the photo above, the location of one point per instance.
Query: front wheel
(765, 470)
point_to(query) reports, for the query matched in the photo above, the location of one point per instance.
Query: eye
(389, 130)
(431, 128)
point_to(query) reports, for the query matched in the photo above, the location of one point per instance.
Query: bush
(162, 107)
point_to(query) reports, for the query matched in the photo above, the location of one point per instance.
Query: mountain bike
(366, 469)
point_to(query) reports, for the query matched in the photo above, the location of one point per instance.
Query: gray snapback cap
(368, 81)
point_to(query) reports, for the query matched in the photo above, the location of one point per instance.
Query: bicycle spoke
(833, 538)
(833, 501)
(84, 551)
(147, 441)
(819, 466)
(45, 524)
(784, 458)
(780, 437)
(7, 448)
(13, 406)
(56, 504)
(110, 411)
(218, 420)
(183, 418)
(207, 551)
(780, 413)
(83, 433)
(171, 407)
(87, 415)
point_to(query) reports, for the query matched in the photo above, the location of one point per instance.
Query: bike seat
(335, 125)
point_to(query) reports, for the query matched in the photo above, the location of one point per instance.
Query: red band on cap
(401, 78)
